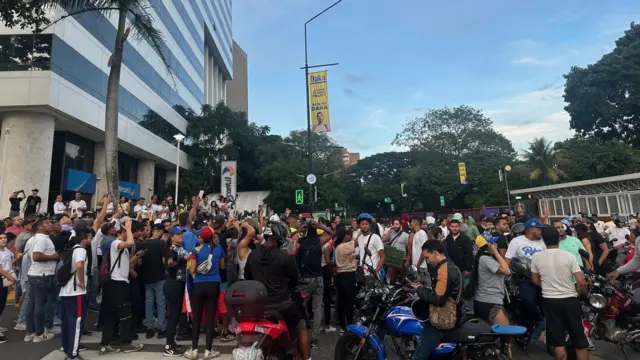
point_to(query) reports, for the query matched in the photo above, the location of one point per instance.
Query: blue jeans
(22, 315)
(41, 288)
(428, 342)
(154, 294)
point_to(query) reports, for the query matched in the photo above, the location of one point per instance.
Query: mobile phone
(201, 194)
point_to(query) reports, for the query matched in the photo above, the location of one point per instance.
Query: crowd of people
(161, 270)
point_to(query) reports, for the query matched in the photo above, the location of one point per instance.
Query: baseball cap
(484, 240)
(431, 220)
(176, 230)
(218, 221)
(36, 190)
(158, 226)
(205, 233)
(533, 223)
(457, 216)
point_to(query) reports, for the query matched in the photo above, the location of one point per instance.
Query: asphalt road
(15, 348)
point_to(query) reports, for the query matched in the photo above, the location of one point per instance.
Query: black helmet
(521, 267)
(276, 230)
(517, 229)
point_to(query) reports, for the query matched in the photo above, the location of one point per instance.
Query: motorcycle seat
(273, 316)
(469, 332)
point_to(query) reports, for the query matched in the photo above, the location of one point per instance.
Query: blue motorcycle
(388, 317)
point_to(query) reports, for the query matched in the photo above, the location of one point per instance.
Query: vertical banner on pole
(319, 102)
(462, 170)
(229, 178)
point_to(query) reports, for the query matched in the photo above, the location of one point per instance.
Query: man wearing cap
(32, 205)
(525, 246)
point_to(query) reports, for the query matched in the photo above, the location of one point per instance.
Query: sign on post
(299, 197)
(387, 200)
(441, 200)
(462, 171)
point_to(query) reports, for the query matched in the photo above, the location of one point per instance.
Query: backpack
(65, 271)
(104, 275)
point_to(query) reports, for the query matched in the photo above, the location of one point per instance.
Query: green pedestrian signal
(299, 197)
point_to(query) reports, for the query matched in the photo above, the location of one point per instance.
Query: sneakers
(150, 334)
(107, 350)
(537, 330)
(53, 331)
(329, 329)
(172, 351)
(3, 329)
(211, 354)
(129, 348)
(29, 337)
(314, 343)
(42, 338)
(191, 354)
(227, 338)
(57, 321)
(20, 327)
(3, 339)
(81, 347)
(161, 334)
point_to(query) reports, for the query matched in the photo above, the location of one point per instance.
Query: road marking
(140, 355)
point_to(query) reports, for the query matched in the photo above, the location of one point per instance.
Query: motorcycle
(260, 334)
(393, 319)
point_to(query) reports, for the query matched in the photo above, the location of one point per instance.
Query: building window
(26, 52)
(603, 208)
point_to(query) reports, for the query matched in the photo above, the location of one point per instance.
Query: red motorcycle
(260, 334)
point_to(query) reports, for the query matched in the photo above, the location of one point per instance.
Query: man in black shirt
(277, 270)
(503, 233)
(598, 250)
(459, 249)
(15, 201)
(174, 287)
(153, 278)
(32, 205)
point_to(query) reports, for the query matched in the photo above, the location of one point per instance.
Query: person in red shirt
(16, 227)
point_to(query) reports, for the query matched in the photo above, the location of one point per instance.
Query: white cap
(157, 221)
(431, 220)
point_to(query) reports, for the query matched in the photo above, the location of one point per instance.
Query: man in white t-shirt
(116, 292)
(41, 282)
(77, 206)
(597, 223)
(72, 296)
(525, 246)
(618, 234)
(416, 240)
(554, 269)
(368, 240)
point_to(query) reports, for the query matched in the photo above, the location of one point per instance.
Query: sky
(399, 58)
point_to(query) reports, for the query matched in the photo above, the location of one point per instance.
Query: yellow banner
(462, 170)
(319, 102)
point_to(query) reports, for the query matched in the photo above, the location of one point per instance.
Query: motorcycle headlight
(597, 301)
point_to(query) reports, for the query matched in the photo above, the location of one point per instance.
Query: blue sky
(398, 58)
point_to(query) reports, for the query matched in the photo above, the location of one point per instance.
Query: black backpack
(65, 273)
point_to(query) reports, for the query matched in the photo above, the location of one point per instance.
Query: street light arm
(322, 12)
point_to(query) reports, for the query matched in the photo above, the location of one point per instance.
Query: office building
(53, 91)
(238, 88)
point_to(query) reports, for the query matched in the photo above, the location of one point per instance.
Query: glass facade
(25, 52)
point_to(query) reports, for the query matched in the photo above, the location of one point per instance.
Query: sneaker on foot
(29, 337)
(150, 334)
(3, 339)
(329, 329)
(314, 343)
(172, 351)
(3, 329)
(20, 327)
(53, 331)
(191, 354)
(228, 337)
(44, 337)
(211, 354)
(57, 321)
(129, 348)
(107, 350)
(537, 330)
(161, 334)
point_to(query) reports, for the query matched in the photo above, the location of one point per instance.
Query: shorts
(487, 311)
(292, 315)
(221, 308)
(564, 316)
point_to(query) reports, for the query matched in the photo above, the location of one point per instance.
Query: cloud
(350, 93)
(355, 79)
(527, 60)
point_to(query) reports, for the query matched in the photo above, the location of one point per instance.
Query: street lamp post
(179, 138)
(306, 80)
(4, 161)
(506, 169)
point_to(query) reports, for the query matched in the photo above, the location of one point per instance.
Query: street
(15, 348)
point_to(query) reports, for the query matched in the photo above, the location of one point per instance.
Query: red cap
(205, 233)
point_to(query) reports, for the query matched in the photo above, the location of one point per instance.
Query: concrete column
(100, 170)
(146, 177)
(27, 161)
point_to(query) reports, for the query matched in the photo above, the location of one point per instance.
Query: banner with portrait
(319, 102)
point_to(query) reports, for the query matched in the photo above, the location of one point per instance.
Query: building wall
(238, 88)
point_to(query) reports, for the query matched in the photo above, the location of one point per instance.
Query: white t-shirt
(42, 244)
(6, 257)
(523, 247)
(96, 248)
(59, 208)
(79, 254)
(556, 268)
(599, 225)
(375, 245)
(137, 208)
(445, 231)
(155, 208)
(354, 235)
(120, 272)
(75, 205)
(619, 234)
(419, 239)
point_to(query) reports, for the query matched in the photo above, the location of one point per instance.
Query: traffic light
(299, 197)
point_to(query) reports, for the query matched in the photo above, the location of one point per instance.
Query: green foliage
(604, 98)
(542, 161)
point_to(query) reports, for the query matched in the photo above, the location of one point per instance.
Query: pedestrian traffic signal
(299, 197)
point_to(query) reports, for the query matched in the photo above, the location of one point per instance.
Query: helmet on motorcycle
(517, 229)
(365, 216)
(520, 267)
(275, 230)
(420, 310)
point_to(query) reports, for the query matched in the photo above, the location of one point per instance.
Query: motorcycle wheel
(347, 346)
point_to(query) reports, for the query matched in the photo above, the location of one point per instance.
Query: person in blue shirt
(190, 238)
(206, 261)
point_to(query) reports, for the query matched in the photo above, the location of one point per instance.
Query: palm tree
(140, 26)
(542, 161)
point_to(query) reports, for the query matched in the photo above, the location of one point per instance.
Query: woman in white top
(243, 249)
(59, 207)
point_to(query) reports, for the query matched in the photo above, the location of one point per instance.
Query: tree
(455, 131)
(604, 98)
(542, 161)
(133, 19)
